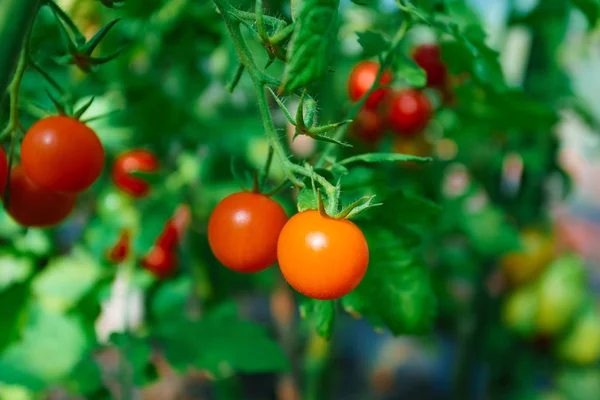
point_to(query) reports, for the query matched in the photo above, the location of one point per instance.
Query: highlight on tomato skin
(362, 77)
(243, 230)
(409, 112)
(3, 169)
(321, 257)
(33, 206)
(137, 160)
(62, 154)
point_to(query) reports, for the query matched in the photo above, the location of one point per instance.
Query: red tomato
(321, 257)
(429, 58)
(175, 228)
(368, 126)
(138, 160)
(120, 251)
(31, 205)
(162, 262)
(62, 154)
(362, 78)
(3, 170)
(409, 112)
(243, 230)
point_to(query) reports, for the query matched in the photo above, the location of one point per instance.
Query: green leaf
(86, 377)
(489, 231)
(66, 280)
(590, 8)
(14, 269)
(383, 157)
(321, 313)
(12, 303)
(136, 351)
(309, 46)
(396, 292)
(222, 344)
(405, 208)
(407, 69)
(14, 374)
(50, 347)
(372, 43)
(171, 298)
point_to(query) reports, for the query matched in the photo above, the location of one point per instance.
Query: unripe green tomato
(582, 345)
(560, 294)
(519, 310)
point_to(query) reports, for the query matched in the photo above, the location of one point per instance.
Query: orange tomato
(322, 257)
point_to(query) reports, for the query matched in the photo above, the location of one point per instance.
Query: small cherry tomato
(3, 170)
(362, 78)
(162, 262)
(120, 251)
(525, 265)
(368, 126)
(429, 58)
(175, 228)
(243, 230)
(582, 344)
(322, 257)
(409, 112)
(31, 205)
(138, 160)
(62, 154)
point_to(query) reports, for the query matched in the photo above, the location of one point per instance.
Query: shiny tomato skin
(322, 257)
(62, 154)
(33, 206)
(409, 112)
(161, 261)
(429, 58)
(362, 77)
(368, 126)
(3, 170)
(243, 230)
(137, 160)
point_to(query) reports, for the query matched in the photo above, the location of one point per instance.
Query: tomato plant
(400, 165)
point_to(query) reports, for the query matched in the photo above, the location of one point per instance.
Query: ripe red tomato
(175, 228)
(162, 262)
(138, 160)
(368, 126)
(62, 154)
(363, 77)
(321, 257)
(243, 230)
(409, 112)
(31, 205)
(120, 251)
(429, 58)
(3, 170)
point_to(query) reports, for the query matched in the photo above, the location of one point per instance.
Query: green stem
(46, 76)
(16, 18)
(231, 17)
(266, 168)
(330, 148)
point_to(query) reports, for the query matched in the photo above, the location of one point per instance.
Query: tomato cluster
(60, 157)
(405, 112)
(248, 232)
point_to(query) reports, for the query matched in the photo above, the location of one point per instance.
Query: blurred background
(510, 324)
